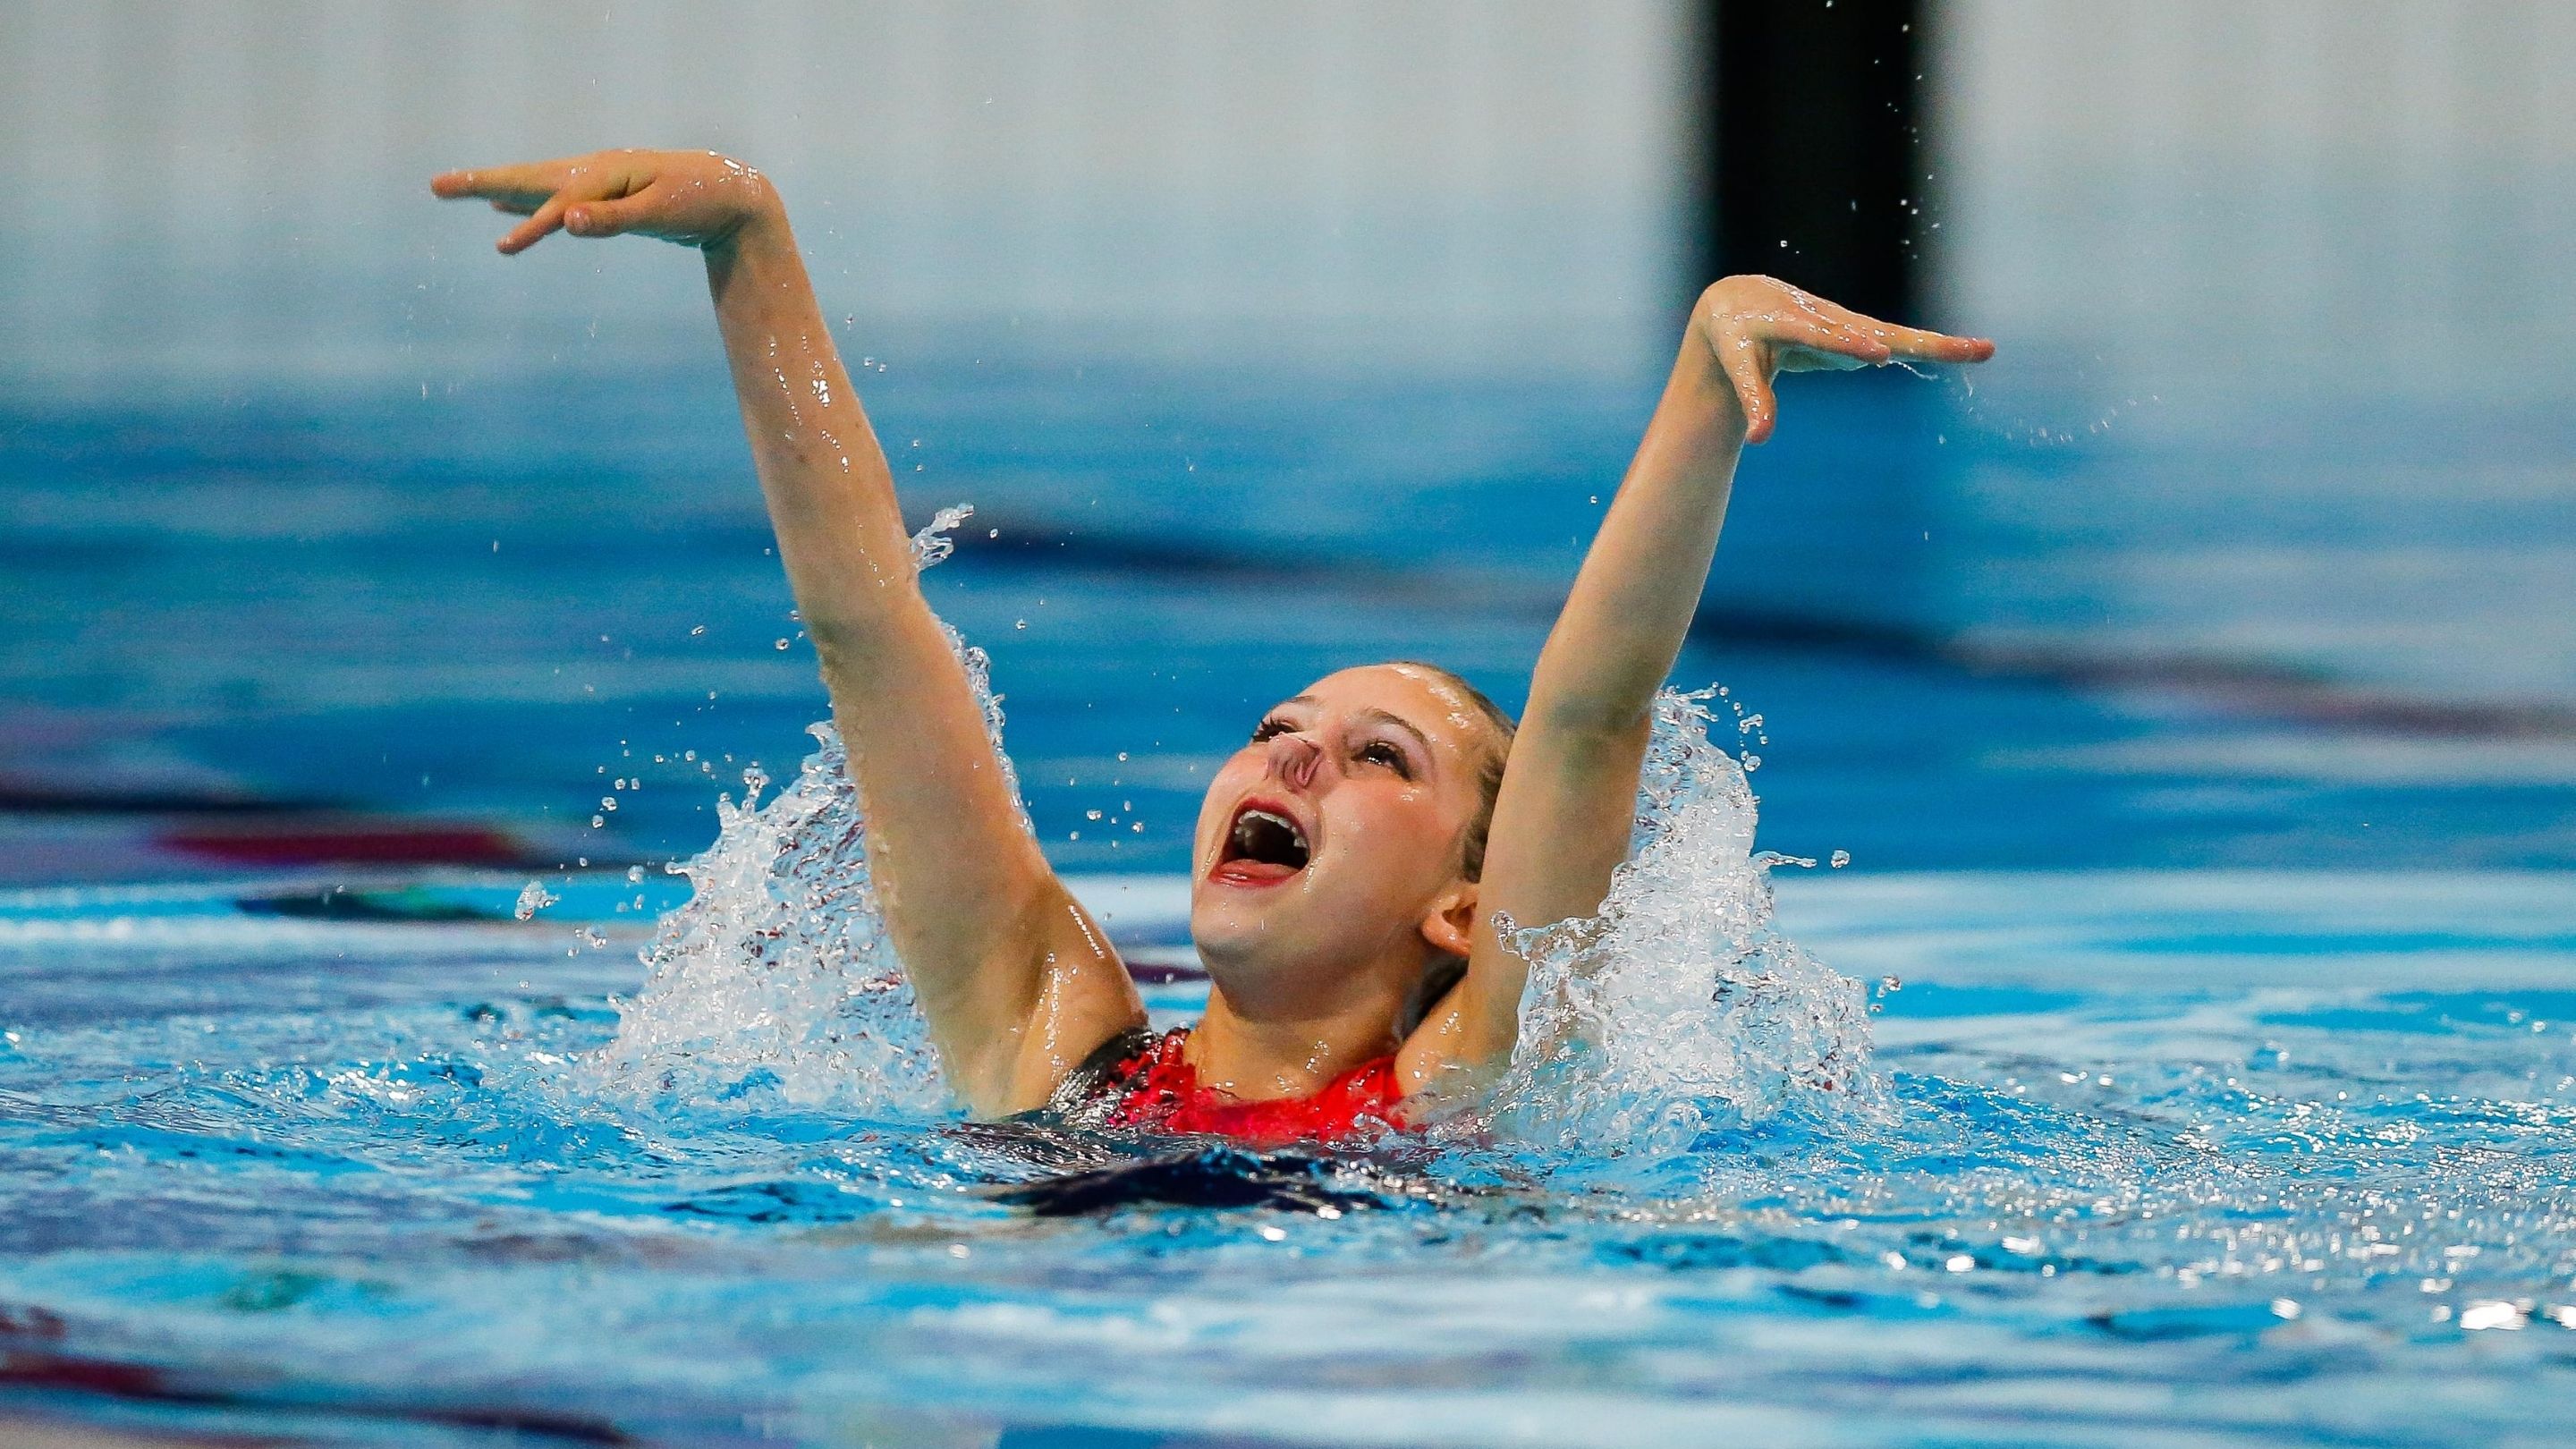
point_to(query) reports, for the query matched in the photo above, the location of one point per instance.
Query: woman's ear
(1450, 926)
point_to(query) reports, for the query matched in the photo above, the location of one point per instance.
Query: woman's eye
(1269, 729)
(1389, 756)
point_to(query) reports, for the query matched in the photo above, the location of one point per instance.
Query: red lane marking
(93, 1375)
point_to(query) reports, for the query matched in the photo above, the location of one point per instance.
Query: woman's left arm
(1562, 822)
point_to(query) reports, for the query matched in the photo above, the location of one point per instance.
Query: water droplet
(1839, 859)
(780, 644)
(533, 897)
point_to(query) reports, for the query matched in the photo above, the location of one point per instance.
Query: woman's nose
(1293, 759)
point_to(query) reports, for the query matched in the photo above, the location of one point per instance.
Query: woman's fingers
(606, 216)
(1914, 341)
(535, 190)
(530, 182)
(1748, 365)
(541, 191)
(1804, 340)
(582, 194)
(541, 223)
(1818, 332)
(1933, 346)
(592, 193)
(1960, 349)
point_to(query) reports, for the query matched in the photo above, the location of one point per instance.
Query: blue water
(465, 605)
(2148, 1175)
(2229, 1064)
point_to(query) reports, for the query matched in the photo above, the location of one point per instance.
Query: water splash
(1680, 1008)
(776, 983)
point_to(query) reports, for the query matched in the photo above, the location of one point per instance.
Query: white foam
(1680, 1007)
(776, 982)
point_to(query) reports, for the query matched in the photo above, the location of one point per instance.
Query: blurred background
(1268, 339)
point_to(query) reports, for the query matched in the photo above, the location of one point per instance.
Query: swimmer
(1351, 859)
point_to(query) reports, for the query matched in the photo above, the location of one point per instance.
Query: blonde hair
(1446, 971)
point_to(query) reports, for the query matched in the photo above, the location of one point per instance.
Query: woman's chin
(1234, 922)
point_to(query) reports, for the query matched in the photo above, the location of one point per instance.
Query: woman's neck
(1258, 1059)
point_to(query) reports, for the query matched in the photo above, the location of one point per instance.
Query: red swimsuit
(1141, 1080)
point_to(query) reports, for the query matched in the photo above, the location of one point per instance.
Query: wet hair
(1489, 770)
(1445, 972)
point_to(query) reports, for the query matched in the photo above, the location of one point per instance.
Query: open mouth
(1262, 846)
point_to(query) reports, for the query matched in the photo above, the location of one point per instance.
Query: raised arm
(1561, 824)
(1017, 982)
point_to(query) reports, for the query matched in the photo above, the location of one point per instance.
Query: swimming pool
(2225, 1077)
(238, 615)
(2167, 1156)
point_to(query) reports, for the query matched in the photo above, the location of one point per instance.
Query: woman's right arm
(1017, 982)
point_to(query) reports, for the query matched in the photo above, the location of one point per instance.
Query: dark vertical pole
(1814, 117)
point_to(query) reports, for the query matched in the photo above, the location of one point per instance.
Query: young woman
(1348, 858)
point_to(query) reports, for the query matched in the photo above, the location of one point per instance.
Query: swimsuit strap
(1095, 1089)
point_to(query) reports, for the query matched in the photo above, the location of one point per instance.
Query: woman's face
(1329, 837)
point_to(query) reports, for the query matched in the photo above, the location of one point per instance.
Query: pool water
(2168, 1156)
(2210, 786)
(237, 617)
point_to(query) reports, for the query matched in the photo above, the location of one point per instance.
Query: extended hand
(696, 198)
(1758, 326)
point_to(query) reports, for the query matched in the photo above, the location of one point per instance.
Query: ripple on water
(435, 1174)
(2228, 1211)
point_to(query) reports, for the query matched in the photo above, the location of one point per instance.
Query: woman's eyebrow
(1397, 721)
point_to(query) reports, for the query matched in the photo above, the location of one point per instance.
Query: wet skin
(1376, 768)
